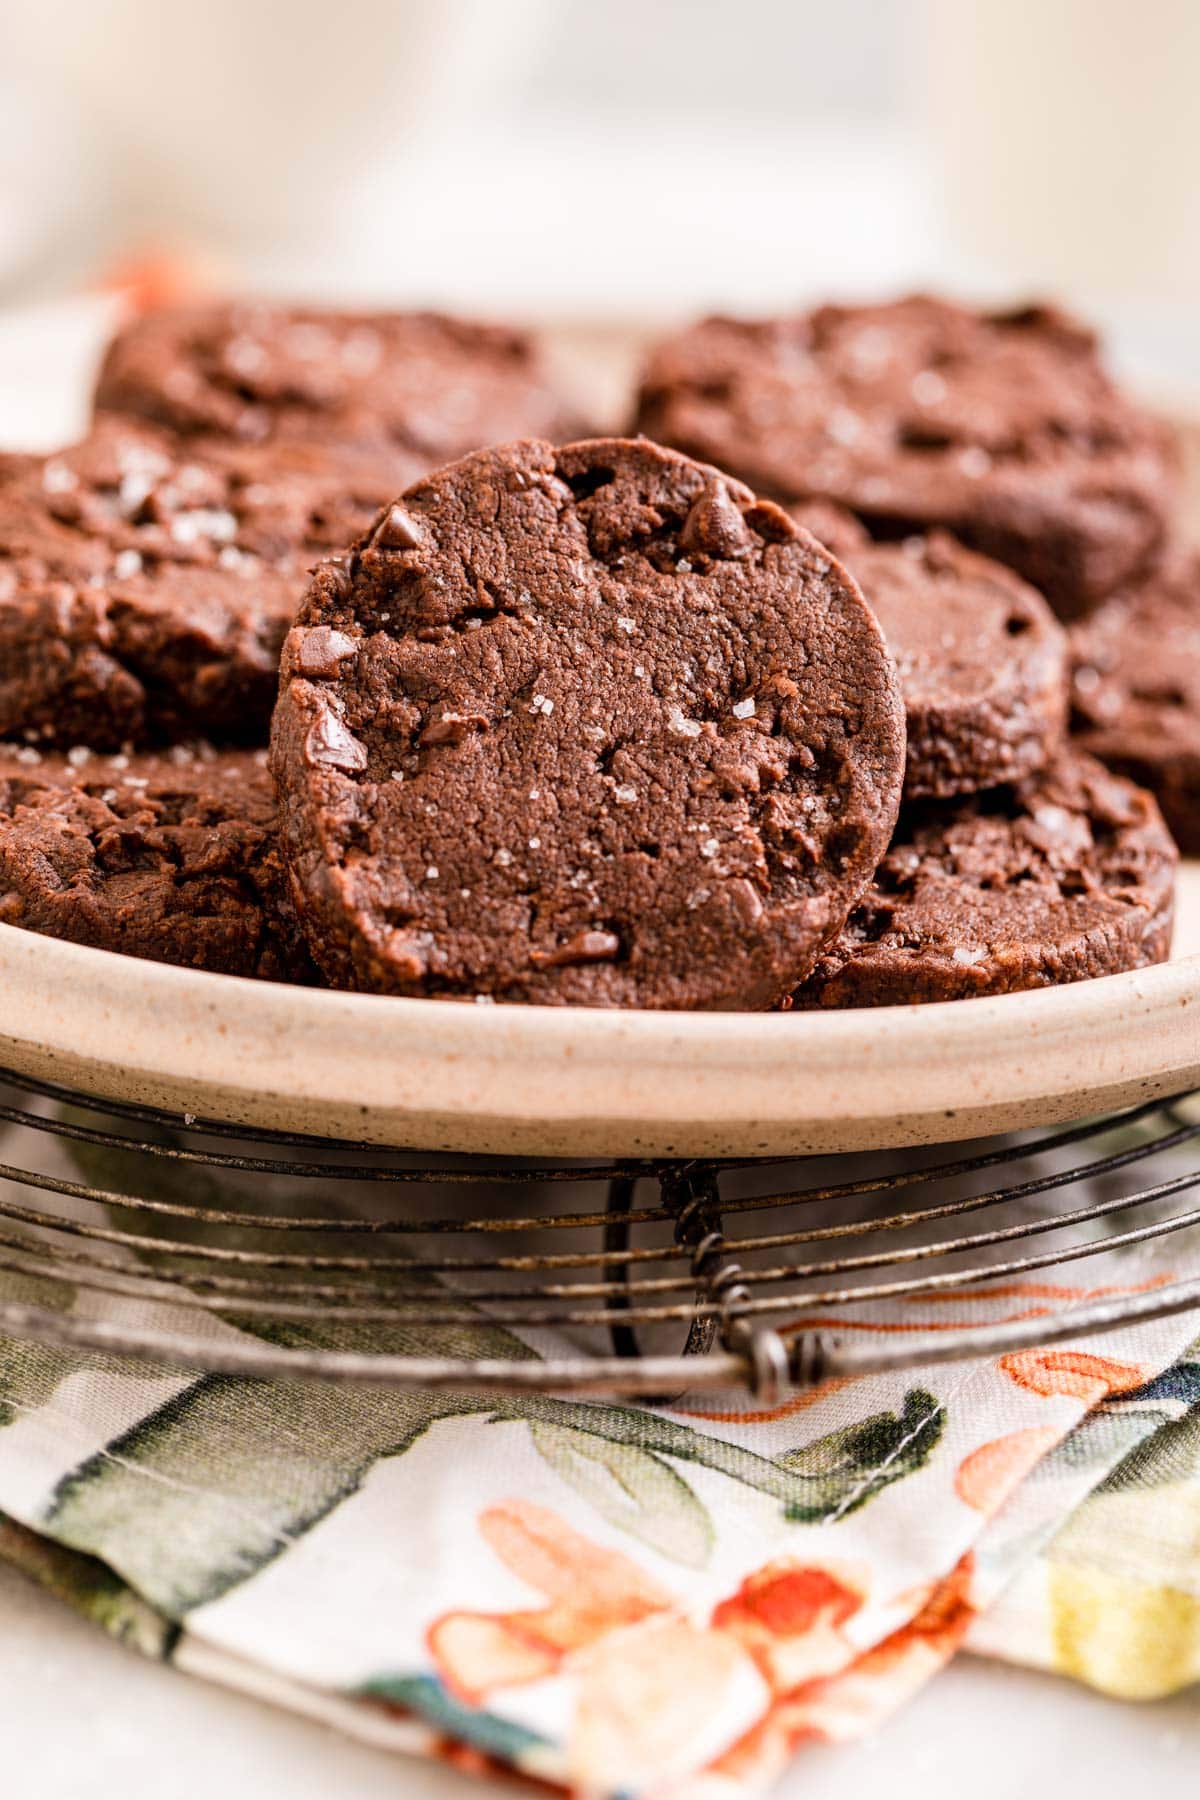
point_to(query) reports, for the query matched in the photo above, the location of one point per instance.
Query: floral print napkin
(633, 1600)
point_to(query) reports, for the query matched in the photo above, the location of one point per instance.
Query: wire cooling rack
(128, 1232)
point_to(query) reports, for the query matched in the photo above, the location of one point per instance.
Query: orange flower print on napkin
(590, 1591)
(842, 1704)
(655, 1693)
(990, 1474)
(789, 1617)
(1075, 1374)
(651, 1688)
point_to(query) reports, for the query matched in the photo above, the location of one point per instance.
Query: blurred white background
(614, 158)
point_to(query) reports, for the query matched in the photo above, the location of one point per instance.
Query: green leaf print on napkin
(631, 1488)
(89, 1588)
(222, 1478)
(850, 1466)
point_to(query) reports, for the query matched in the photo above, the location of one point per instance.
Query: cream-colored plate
(569, 1082)
(558, 1082)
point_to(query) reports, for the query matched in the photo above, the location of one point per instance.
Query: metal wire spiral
(199, 1245)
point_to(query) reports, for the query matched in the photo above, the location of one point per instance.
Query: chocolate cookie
(145, 590)
(416, 389)
(1001, 426)
(982, 662)
(170, 857)
(1135, 693)
(589, 725)
(1067, 875)
(832, 525)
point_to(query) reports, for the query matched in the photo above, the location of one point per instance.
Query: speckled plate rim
(547, 1081)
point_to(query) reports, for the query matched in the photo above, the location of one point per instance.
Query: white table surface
(82, 1717)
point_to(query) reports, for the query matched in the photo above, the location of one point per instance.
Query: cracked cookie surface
(171, 857)
(415, 388)
(1067, 875)
(589, 725)
(145, 587)
(1001, 426)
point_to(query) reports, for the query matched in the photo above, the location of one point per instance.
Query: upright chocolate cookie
(982, 662)
(416, 389)
(145, 590)
(168, 857)
(590, 725)
(1068, 875)
(1135, 694)
(1001, 426)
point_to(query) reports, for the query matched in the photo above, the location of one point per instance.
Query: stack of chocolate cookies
(979, 473)
(764, 705)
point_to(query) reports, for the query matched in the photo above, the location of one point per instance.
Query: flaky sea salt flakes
(431, 873)
(245, 357)
(485, 999)
(28, 755)
(128, 563)
(928, 388)
(78, 755)
(58, 479)
(743, 709)
(639, 671)
(974, 462)
(535, 843)
(541, 704)
(844, 426)
(230, 557)
(397, 774)
(697, 897)
(203, 521)
(502, 858)
(709, 847)
(680, 726)
(135, 486)
(624, 794)
(626, 625)
(684, 566)
(966, 958)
